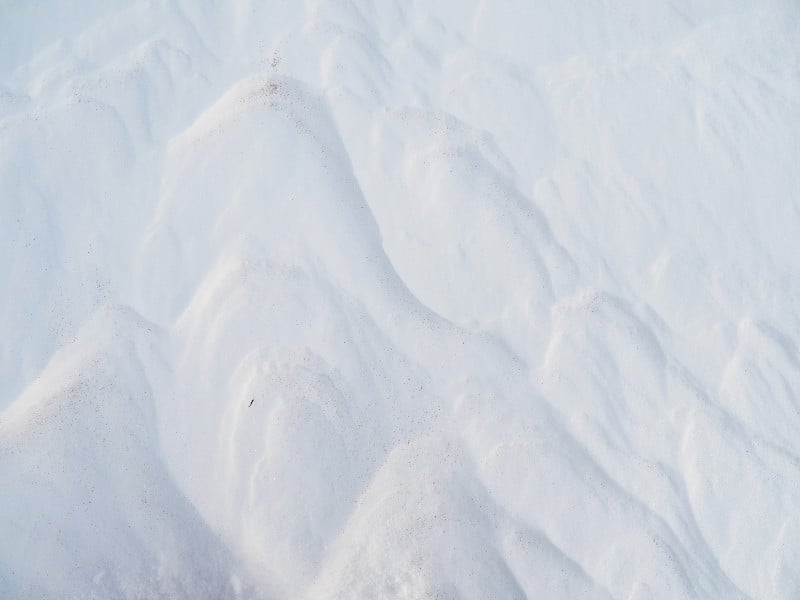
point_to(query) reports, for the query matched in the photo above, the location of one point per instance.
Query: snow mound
(411, 300)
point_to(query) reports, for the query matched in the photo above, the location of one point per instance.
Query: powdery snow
(426, 299)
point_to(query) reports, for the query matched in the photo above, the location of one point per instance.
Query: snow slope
(425, 299)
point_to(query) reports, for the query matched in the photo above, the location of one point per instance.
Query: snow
(399, 300)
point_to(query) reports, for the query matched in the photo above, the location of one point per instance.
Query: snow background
(512, 287)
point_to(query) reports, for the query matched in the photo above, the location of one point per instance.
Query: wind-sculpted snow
(399, 300)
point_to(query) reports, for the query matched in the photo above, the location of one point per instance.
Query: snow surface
(399, 299)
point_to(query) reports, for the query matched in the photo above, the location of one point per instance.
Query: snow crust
(399, 299)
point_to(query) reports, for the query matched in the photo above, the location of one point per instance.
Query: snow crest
(399, 300)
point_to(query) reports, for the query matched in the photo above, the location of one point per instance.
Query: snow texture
(399, 299)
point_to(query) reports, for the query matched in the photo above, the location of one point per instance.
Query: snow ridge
(345, 300)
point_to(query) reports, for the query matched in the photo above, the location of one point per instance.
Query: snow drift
(399, 300)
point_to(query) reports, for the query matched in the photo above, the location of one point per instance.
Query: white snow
(399, 299)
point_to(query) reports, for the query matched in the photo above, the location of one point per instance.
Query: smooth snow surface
(399, 299)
